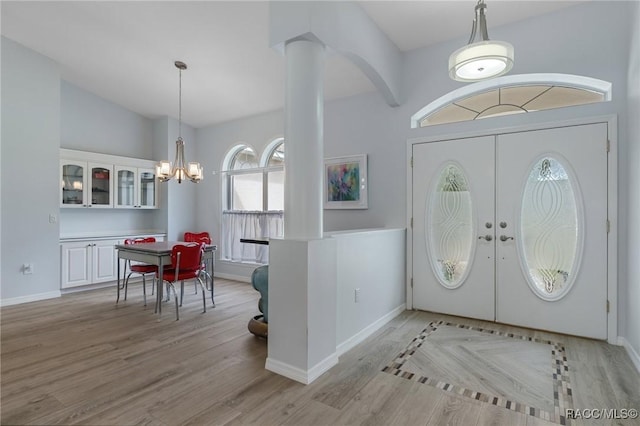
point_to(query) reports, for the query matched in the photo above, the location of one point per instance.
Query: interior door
(453, 227)
(552, 229)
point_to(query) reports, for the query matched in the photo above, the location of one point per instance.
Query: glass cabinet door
(72, 185)
(146, 188)
(100, 186)
(125, 187)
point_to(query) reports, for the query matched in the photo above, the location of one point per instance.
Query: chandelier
(164, 169)
(481, 58)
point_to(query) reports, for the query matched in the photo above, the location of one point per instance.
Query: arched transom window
(512, 95)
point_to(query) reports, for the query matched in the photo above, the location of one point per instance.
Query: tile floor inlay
(515, 372)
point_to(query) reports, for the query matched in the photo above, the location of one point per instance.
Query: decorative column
(302, 266)
(304, 103)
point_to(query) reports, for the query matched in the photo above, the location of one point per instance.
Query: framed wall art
(345, 182)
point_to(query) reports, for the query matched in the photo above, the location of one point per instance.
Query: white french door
(552, 194)
(453, 250)
(512, 228)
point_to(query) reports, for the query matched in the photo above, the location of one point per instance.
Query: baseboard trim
(354, 340)
(232, 277)
(70, 290)
(635, 357)
(298, 374)
(30, 298)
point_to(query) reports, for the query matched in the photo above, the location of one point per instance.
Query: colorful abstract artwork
(343, 182)
(346, 182)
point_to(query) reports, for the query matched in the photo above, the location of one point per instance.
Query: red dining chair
(197, 237)
(200, 237)
(186, 264)
(138, 268)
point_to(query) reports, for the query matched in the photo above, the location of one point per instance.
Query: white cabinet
(93, 260)
(85, 184)
(88, 262)
(90, 179)
(136, 187)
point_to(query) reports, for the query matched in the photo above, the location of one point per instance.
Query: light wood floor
(82, 359)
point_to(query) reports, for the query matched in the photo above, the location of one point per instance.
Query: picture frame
(340, 177)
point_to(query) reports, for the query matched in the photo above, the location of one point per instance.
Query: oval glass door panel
(449, 229)
(551, 229)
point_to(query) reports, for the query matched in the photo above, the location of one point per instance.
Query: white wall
(372, 261)
(30, 145)
(90, 123)
(631, 329)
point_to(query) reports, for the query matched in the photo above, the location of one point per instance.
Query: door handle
(505, 238)
(486, 237)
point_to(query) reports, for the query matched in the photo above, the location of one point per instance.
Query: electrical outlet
(27, 268)
(53, 218)
(356, 295)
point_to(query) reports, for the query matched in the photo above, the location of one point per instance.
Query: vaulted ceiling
(124, 51)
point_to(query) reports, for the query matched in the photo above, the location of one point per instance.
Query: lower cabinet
(88, 262)
(85, 262)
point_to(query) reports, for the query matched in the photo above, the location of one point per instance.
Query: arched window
(274, 165)
(512, 95)
(244, 158)
(243, 180)
(253, 200)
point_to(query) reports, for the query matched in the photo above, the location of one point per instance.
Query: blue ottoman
(258, 325)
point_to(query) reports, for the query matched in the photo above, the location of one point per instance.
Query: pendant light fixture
(164, 169)
(481, 58)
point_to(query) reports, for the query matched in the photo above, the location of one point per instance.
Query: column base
(302, 308)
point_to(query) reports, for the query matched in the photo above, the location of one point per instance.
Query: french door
(512, 228)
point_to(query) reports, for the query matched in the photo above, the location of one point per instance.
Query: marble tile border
(559, 371)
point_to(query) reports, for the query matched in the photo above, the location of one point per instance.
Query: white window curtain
(245, 224)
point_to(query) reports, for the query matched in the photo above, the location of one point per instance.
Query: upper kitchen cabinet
(90, 179)
(86, 184)
(136, 188)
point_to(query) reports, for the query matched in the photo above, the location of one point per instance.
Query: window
(275, 177)
(244, 181)
(512, 95)
(253, 200)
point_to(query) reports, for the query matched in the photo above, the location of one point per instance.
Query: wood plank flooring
(82, 359)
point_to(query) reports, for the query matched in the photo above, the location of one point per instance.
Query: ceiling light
(481, 58)
(164, 169)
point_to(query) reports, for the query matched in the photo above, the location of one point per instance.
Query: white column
(302, 266)
(304, 122)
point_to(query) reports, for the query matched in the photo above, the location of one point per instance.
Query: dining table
(159, 253)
